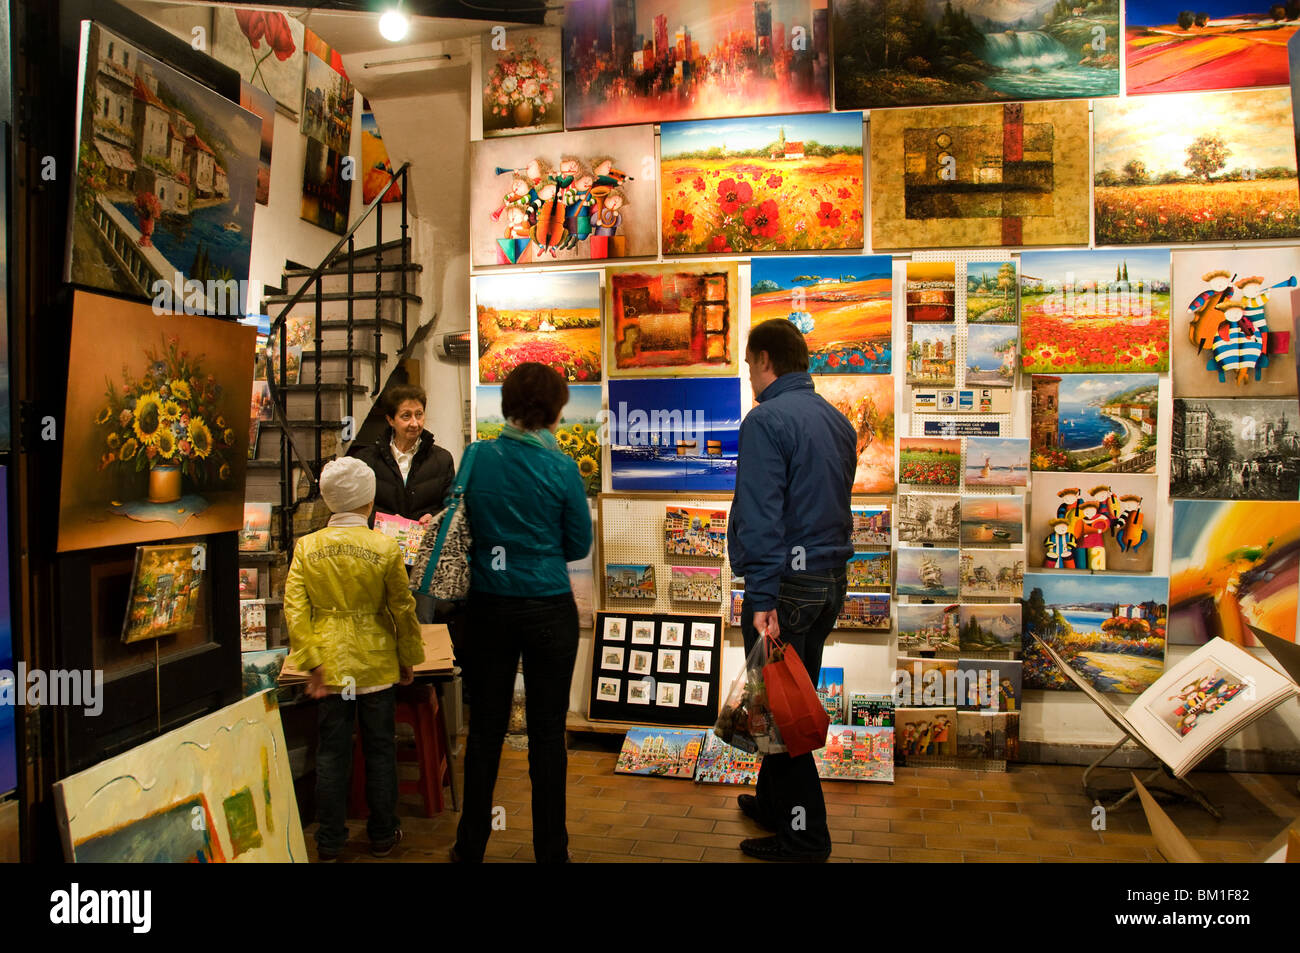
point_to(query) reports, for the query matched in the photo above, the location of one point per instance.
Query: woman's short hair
(785, 346)
(399, 394)
(533, 395)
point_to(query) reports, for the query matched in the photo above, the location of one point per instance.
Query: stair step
(341, 354)
(295, 270)
(302, 423)
(362, 296)
(369, 250)
(326, 387)
(359, 325)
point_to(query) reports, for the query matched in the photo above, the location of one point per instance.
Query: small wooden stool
(417, 706)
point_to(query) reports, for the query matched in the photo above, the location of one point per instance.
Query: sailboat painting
(929, 573)
(997, 461)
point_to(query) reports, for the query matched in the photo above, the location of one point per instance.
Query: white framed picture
(700, 663)
(643, 633)
(702, 633)
(697, 693)
(668, 695)
(609, 689)
(611, 658)
(615, 630)
(640, 693)
(640, 663)
(671, 633)
(670, 660)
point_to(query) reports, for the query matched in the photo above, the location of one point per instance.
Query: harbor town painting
(166, 182)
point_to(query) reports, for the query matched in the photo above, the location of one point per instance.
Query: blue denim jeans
(377, 713)
(806, 609)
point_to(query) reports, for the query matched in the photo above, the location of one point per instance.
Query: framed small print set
(651, 668)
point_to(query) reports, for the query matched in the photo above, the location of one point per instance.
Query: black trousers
(789, 791)
(501, 630)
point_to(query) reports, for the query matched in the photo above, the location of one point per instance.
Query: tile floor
(1033, 813)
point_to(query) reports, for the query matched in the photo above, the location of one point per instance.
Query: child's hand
(407, 675)
(426, 519)
(316, 684)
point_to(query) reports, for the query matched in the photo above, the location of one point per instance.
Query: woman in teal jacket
(528, 517)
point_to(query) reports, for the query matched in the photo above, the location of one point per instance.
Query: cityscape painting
(1235, 449)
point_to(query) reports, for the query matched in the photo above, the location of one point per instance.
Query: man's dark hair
(399, 394)
(533, 395)
(785, 346)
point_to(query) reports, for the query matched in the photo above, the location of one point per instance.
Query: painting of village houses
(864, 610)
(856, 753)
(166, 182)
(690, 531)
(932, 354)
(1094, 422)
(872, 525)
(661, 752)
(928, 627)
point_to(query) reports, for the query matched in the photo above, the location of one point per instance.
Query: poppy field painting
(551, 319)
(772, 184)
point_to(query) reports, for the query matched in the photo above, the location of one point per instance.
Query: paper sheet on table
(438, 655)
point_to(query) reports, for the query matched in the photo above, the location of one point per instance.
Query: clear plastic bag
(745, 721)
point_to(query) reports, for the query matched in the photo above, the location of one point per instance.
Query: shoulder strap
(466, 465)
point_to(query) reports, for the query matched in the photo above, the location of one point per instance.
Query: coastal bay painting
(997, 461)
(166, 182)
(1110, 629)
(675, 434)
(1094, 422)
(992, 519)
(992, 355)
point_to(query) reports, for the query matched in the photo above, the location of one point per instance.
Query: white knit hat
(347, 484)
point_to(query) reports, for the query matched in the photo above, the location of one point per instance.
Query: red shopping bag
(798, 712)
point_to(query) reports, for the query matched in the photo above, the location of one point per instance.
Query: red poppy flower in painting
(698, 184)
(828, 216)
(762, 219)
(774, 181)
(682, 220)
(718, 243)
(732, 195)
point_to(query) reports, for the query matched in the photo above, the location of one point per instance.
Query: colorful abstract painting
(672, 319)
(1195, 167)
(992, 292)
(229, 770)
(663, 60)
(376, 168)
(993, 176)
(1234, 322)
(896, 53)
(523, 85)
(780, 183)
(1234, 565)
(1103, 522)
(676, 434)
(1110, 629)
(841, 305)
(856, 753)
(1222, 45)
(1243, 449)
(551, 319)
(868, 402)
(564, 196)
(1094, 422)
(1095, 311)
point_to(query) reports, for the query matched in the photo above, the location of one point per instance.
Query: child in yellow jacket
(352, 625)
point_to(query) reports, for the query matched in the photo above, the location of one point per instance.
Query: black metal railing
(291, 453)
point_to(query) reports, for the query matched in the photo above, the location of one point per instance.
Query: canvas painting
(327, 106)
(660, 752)
(868, 402)
(1235, 449)
(928, 518)
(1223, 45)
(932, 355)
(565, 196)
(830, 691)
(553, 319)
(892, 53)
(261, 408)
(252, 625)
(1235, 322)
(928, 628)
(991, 684)
(929, 461)
(737, 606)
(1110, 629)
(1234, 565)
(377, 168)
(992, 292)
(679, 434)
(248, 583)
(869, 570)
(695, 531)
(229, 769)
(266, 48)
(871, 525)
(993, 573)
(864, 610)
(166, 591)
(696, 583)
(1195, 167)
(992, 736)
(326, 189)
(992, 629)
(261, 104)
(871, 709)
(925, 682)
(856, 753)
(152, 450)
(1095, 311)
(992, 355)
(1105, 523)
(841, 305)
(165, 185)
(1094, 422)
(578, 435)
(995, 176)
(629, 581)
(672, 319)
(255, 533)
(997, 461)
(720, 763)
(261, 670)
(523, 84)
(925, 732)
(992, 519)
(932, 291)
(584, 590)
(673, 59)
(780, 183)
(929, 573)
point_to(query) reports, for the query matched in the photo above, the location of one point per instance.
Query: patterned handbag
(441, 568)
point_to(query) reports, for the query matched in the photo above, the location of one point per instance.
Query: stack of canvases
(1000, 162)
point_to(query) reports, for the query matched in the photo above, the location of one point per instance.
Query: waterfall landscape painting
(910, 53)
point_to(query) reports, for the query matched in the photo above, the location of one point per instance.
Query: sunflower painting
(156, 447)
(578, 436)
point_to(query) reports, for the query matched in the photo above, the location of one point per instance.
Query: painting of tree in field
(868, 401)
(551, 319)
(1195, 167)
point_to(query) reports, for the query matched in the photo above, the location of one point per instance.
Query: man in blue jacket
(789, 536)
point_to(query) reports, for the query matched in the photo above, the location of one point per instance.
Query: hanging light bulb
(393, 25)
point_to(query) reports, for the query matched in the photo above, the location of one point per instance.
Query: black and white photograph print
(611, 658)
(1235, 449)
(928, 518)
